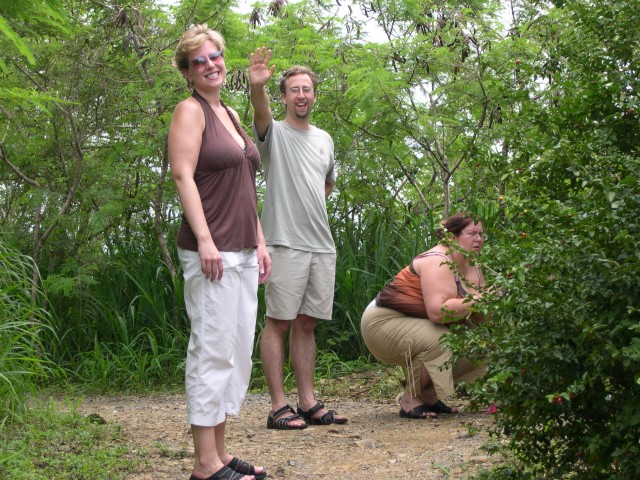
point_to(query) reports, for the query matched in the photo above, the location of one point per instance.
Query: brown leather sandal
(326, 419)
(283, 423)
(246, 468)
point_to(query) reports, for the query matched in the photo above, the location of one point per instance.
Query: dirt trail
(375, 444)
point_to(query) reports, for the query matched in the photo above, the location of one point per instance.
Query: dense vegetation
(527, 117)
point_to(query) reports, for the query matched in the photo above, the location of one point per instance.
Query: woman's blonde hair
(193, 39)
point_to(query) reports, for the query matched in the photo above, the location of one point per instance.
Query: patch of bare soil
(375, 444)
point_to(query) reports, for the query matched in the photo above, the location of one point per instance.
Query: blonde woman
(221, 250)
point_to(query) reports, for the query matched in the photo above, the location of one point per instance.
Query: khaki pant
(395, 338)
(300, 283)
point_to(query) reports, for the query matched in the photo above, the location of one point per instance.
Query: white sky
(374, 34)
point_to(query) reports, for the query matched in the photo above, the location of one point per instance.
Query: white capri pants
(223, 319)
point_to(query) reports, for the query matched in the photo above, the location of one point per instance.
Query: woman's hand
(264, 263)
(210, 261)
(492, 291)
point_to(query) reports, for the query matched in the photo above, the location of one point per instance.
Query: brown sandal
(283, 423)
(246, 468)
(326, 419)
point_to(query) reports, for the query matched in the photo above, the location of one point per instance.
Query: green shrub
(564, 342)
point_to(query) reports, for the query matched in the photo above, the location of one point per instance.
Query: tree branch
(412, 182)
(16, 170)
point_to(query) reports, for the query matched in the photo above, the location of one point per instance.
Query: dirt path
(375, 444)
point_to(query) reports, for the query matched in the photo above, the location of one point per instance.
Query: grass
(51, 444)
(363, 377)
(23, 323)
(374, 381)
(122, 325)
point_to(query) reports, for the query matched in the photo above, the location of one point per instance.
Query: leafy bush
(564, 342)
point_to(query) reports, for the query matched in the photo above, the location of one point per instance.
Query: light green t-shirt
(297, 164)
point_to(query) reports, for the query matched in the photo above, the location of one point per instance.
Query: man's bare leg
(272, 356)
(303, 357)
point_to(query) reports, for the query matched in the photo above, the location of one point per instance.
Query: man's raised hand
(259, 71)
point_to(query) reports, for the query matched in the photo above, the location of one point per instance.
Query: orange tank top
(404, 292)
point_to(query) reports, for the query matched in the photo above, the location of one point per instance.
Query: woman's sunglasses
(199, 61)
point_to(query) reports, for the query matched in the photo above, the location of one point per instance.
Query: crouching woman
(405, 323)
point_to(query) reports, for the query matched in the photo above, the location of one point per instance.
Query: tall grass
(22, 323)
(126, 331)
(371, 250)
(126, 328)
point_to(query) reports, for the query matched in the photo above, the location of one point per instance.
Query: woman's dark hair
(455, 224)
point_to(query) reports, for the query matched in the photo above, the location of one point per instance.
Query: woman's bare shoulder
(188, 115)
(188, 105)
(433, 261)
(437, 254)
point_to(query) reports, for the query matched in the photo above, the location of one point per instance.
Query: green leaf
(18, 43)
